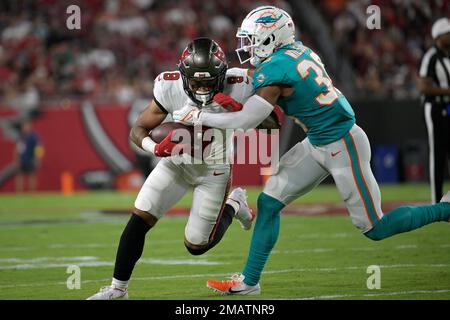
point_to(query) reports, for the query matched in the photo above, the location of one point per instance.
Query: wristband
(148, 145)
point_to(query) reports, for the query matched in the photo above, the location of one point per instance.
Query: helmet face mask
(203, 67)
(203, 89)
(263, 31)
(245, 47)
(251, 49)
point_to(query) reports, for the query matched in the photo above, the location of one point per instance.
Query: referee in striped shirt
(434, 85)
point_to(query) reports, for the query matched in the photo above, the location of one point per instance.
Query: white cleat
(110, 293)
(234, 286)
(446, 197)
(238, 200)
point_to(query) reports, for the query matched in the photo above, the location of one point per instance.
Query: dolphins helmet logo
(268, 19)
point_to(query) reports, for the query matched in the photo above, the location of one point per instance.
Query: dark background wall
(390, 121)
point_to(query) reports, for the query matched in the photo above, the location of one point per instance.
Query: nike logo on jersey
(218, 173)
(334, 154)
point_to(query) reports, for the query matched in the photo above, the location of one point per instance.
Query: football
(160, 132)
(197, 138)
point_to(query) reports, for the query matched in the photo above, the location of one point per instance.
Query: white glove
(188, 115)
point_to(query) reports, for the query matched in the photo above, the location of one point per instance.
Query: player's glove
(227, 102)
(188, 115)
(165, 147)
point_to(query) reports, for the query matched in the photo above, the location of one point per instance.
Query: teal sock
(404, 219)
(265, 235)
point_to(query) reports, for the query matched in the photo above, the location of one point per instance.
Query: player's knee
(376, 233)
(268, 203)
(195, 242)
(146, 216)
(195, 250)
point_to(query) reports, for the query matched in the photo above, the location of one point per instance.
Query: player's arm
(255, 110)
(150, 118)
(427, 87)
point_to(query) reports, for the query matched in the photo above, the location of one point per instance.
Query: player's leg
(20, 182)
(348, 160)
(32, 181)
(298, 173)
(361, 193)
(161, 190)
(447, 129)
(437, 144)
(210, 214)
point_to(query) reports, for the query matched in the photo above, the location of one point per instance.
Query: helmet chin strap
(204, 98)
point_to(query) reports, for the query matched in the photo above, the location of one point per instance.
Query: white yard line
(369, 295)
(89, 261)
(84, 246)
(206, 275)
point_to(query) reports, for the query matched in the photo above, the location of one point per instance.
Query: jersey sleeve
(162, 91)
(238, 84)
(269, 74)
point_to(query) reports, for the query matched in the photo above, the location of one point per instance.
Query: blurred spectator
(385, 60)
(121, 47)
(29, 153)
(124, 44)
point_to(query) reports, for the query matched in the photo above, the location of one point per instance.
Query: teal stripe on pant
(265, 235)
(360, 184)
(404, 219)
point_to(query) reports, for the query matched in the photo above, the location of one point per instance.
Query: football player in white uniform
(203, 72)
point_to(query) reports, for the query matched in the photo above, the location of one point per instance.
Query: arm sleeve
(270, 73)
(162, 91)
(255, 110)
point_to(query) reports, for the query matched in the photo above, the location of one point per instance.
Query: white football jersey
(169, 94)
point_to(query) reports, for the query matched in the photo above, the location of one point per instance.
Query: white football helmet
(264, 30)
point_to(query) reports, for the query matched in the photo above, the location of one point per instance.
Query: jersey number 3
(304, 68)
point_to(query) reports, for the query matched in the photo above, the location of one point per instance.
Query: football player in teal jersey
(289, 74)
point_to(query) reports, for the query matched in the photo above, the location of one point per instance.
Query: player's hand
(165, 147)
(227, 102)
(187, 115)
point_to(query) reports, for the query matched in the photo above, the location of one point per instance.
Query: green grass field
(316, 257)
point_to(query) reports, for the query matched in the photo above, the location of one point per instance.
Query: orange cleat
(234, 286)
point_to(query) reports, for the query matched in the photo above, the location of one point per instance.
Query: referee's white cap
(440, 27)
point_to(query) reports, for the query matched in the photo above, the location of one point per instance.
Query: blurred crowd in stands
(123, 44)
(121, 47)
(385, 61)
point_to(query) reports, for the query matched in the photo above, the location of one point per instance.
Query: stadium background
(56, 75)
(83, 88)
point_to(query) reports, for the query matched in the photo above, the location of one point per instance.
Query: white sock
(234, 204)
(119, 284)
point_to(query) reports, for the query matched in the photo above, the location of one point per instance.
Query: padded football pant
(169, 181)
(348, 160)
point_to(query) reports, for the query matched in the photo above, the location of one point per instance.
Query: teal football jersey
(315, 102)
